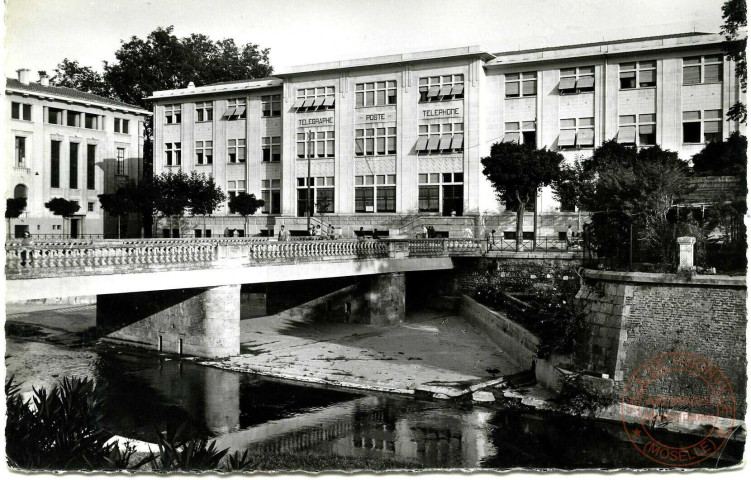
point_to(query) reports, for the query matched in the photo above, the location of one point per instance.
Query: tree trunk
(520, 227)
(534, 225)
(118, 227)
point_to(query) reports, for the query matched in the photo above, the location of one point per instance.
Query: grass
(22, 330)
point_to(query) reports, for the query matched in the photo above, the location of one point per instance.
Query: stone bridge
(183, 295)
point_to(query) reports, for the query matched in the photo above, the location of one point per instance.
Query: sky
(40, 33)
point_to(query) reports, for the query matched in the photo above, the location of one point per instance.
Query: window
(173, 153)
(441, 192)
(271, 105)
(271, 148)
(577, 133)
(271, 195)
(577, 80)
(54, 116)
(521, 85)
(73, 165)
(381, 188)
(20, 151)
(73, 119)
(705, 69)
(20, 111)
(321, 144)
(90, 162)
(234, 187)
(91, 121)
(236, 150)
(204, 152)
(710, 130)
(120, 162)
(638, 74)
(235, 109)
(312, 99)
(121, 125)
(375, 141)
(521, 132)
(321, 195)
(375, 93)
(440, 138)
(173, 113)
(641, 133)
(90, 206)
(444, 87)
(204, 111)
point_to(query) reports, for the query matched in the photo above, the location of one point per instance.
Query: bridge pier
(385, 295)
(196, 321)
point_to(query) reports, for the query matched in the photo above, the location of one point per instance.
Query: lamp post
(309, 145)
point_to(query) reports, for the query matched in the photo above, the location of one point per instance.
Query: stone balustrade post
(686, 253)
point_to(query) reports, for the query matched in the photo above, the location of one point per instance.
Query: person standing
(281, 235)
(424, 231)
(375, 234)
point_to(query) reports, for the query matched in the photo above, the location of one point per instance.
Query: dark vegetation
(579, 397)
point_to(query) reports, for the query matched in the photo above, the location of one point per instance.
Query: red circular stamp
(678, 388)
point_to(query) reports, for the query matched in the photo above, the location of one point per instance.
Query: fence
(540, 244)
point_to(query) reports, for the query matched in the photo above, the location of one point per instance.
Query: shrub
(579, 396)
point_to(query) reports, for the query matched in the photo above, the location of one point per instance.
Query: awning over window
(308, 102)
(422, 144)
(531, 125)
(567, 83)
(433, 142)
(445, 90)
(567, 138)
(585, 82)
(627, 135)
(457, 89)
(229, 112)
(586, 138)
(445, 142)
(433, 92)
(298, 103)
(511, 137)
(319, 101)
(328, 102)
(458, 141)
(239, 111)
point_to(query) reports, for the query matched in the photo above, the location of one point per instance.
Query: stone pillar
(199, 321)
(385, 298)
(686, 257)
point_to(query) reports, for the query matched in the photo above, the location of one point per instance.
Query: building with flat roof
(68, 144)
(394, 143)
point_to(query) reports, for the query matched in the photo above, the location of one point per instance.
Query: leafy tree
(14, 207)
(245, 204)
(62, 207)
(69, 73)
(728, 157)
(734, 46)
(117, 204)
(204, 196)
(516, 172)
(171, 194)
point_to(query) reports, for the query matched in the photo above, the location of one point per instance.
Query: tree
(734, 46)
(62, 207)
(171, 195)
(117, 204)
(516, 172)
(204, 196)
(14, 207)
(245, 204)
(728, 157)
(69, 73)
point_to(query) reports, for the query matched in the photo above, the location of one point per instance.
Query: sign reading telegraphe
(316, 121)
(441, 112)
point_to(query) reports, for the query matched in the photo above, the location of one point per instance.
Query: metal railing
(540, 244)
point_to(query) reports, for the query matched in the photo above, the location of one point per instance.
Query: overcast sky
(40, 33)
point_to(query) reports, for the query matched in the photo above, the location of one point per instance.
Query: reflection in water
(244, 411)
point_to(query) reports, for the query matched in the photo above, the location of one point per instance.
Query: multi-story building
(64, 143)
(395, 142)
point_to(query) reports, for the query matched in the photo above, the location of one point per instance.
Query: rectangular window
(91, 121)
(236, 150)
(577, 80)
(641, 133)
(204, 111)
(321, 195)
(692, 127)
(440, 138)
(638, 74)
(271, 149)
(704, 69)
(712, 126)
(73, 165)
(271, 105)
(120, 162)
(235, 187)
(90, 163)
(271, 195)
(375, 141)
(364, 199)
(20, 111)
(375, 193)
(73, 119)
(235, 109)
(375, 93)
(316, 98)
(320, 144)
(90, 206)
(428, 198)
(121, 125)
(21, 151)
(204, 152)
(173, 113)
(576, 133)
(521, 132)
(521, 85)
(441, 87)
(173, 154)
(54, 116)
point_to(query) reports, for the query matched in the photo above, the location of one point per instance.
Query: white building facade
(394, 143)
(63, 143)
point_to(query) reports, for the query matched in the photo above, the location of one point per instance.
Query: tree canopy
(723, 158)
(204, 196)
(735, 16)
(14, 207)
(62, 207)
(245, 204)
(69, 73)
